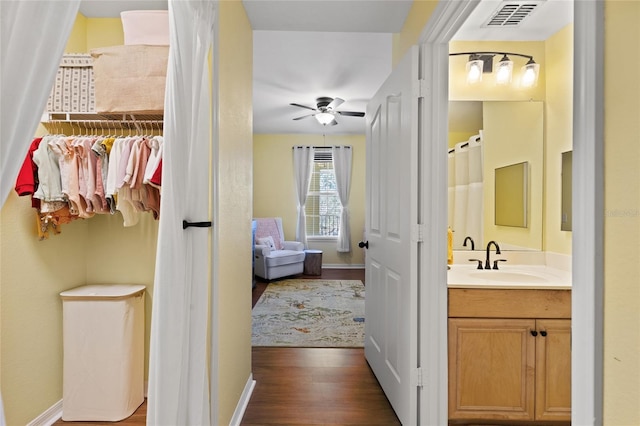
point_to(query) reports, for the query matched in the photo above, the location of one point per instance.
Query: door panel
(391, 265)
(553, 370)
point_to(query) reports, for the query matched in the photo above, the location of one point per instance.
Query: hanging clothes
(77, 177)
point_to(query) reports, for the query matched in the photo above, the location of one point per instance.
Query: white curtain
(466, 210)
(475, 203)
(342, 160)
(33, 37)
(178, 362)
(302, 167)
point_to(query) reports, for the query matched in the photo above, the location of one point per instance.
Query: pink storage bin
(149, 27)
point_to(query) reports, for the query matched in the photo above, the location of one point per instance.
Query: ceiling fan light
(530, 74)
(505, 67)
(324, 118)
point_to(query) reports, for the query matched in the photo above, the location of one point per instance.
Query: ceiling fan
(325, 111)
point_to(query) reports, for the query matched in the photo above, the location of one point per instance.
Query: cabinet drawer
(511, 303)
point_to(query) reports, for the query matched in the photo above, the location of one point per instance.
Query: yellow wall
(622, 214)
(234, 205)
(512, 134)
(416, 20)
(274, 189)
(559, 134)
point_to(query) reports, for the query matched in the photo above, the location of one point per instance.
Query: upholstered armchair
(275, 257)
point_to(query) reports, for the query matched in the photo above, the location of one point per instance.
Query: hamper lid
(102, 291)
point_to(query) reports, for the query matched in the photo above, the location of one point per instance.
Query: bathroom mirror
(511, 195)
(512, 132)
(565, 221)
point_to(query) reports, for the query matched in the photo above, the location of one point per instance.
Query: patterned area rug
(310, 313)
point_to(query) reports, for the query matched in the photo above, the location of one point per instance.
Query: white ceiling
(304, 49)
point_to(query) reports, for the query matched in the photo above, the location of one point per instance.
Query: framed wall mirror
(511, 195)
(565, 221)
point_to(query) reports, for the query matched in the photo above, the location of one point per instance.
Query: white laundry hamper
(103, 343)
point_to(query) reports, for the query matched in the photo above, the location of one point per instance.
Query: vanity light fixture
(482, 62)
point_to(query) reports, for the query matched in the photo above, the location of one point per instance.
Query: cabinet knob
(534, 333)
(543, 333)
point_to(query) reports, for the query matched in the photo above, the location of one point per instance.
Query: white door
(391, 221)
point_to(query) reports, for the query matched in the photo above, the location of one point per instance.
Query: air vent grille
(511, 14)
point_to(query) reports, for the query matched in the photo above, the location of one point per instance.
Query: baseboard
(342, 266)
(49, 417)
(243, 402)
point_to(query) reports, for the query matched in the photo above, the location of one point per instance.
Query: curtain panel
(26, 78)
(342, 161)
(29, 60)
(179, 357)
(302, 169)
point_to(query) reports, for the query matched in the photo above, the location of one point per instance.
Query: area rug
(310, 313)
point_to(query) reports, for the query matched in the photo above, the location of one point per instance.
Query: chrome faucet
(487, 264)
(464, 243)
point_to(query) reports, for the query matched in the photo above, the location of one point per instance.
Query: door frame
(588, 190)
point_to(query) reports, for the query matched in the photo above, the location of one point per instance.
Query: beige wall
(274, 189)
(622, 214)
(234, 206)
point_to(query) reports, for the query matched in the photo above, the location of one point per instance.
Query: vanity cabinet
(509, 355)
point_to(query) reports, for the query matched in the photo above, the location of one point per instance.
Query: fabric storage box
(103, 352)
(130, 79)
(73, 88)
(145, 27)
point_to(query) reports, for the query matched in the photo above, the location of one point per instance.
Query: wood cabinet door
(491, 368)
(553, 370)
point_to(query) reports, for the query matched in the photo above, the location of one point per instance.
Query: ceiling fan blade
(304, 116)
(335, 103)
(303, 106)
(351, 113)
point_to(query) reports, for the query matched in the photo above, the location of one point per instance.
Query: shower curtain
(179, 356)
(466, 209)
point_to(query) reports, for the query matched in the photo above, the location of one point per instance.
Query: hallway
(305, 386)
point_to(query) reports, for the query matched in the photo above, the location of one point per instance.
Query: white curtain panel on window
(302, 168)
(178, 363)
(342, 160)
(33, 37)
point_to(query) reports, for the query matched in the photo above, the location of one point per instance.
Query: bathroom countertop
(509, 277)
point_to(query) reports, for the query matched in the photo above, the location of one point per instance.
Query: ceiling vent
(512, 13)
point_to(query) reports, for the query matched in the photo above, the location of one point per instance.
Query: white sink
(513, 276)
(506, 276)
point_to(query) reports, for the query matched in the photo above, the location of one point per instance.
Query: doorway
(587, 190)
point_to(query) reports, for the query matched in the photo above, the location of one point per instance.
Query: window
(323, 206)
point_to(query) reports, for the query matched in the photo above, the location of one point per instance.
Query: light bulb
(530, 74)
(503, 75)
(324, 118)
(474, 71)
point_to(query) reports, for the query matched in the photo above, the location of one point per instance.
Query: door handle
(363, 244)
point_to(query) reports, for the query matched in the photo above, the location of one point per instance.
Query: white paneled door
(391, 327)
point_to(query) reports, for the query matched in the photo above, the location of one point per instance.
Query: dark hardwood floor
(306, 386)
